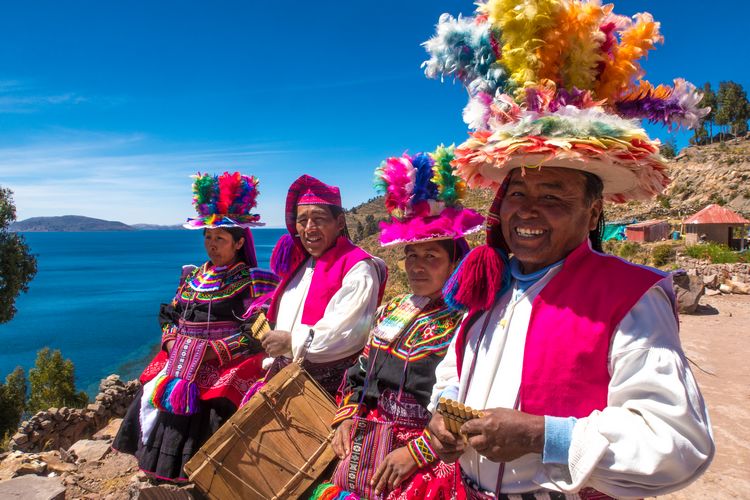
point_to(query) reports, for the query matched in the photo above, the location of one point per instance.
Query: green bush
(628, 249)
(52, 383)
(661, 255)
(12, 403)
(714, 252)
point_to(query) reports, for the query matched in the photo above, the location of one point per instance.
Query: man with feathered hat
(572, 356)
(329, 286)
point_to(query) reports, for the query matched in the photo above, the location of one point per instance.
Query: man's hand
(447, 445)
(397, 466)
(503, 435)
(277, 343)
(342, 441)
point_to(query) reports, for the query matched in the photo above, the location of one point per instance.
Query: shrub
(714, 252)
(52, 383)
(661, 255)
(12, 403)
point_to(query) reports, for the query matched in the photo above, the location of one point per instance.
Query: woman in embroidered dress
(207, 360)
(383, 410)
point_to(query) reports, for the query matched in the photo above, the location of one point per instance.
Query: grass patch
(714, 252)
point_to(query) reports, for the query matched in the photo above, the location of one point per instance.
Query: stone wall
(723, 272)
(61, 427)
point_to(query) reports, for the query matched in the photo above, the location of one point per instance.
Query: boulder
(33, 488)
(55, 463)
(90, 450)
(688, 290)
(711, 280)
(110, 431)
(725, 288)
(20, 464)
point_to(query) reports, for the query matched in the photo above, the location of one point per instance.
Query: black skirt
(174, 439)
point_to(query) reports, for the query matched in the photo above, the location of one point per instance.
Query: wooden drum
(276, 446)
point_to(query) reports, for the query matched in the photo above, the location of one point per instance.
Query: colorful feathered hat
(558, 83)
(225, 200)
(423, 197)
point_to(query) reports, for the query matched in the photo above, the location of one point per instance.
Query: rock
(55, 463)
(20, 464)
(688, 290)
(90, 450)
(33, 488)
(725, 288)
(20, 438)
(739, 287)
(96, 407)
(711, 292)
(110, 431)
(711, 280)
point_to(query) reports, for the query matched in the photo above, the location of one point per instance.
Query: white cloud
(133, 179)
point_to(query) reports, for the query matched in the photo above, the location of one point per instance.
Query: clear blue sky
(106, 108)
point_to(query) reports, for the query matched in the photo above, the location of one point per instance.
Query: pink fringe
(451, 223)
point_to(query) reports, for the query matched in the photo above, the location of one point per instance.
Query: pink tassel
(479, 280)
(178, 397)
(281, 256)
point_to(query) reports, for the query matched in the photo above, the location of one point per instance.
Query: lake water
(96, 298)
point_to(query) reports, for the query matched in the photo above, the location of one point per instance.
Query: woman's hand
(342, 441)
(169, 345)
(277, 343)
(397, 466)
(447, 445)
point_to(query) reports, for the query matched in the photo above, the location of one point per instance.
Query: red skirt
(435, 481)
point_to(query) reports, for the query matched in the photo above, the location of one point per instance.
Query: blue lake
(96, 298)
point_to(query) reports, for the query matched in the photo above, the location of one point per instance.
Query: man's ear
(340, 222)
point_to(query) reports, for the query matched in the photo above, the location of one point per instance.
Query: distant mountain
(67, 223)
(156, 227)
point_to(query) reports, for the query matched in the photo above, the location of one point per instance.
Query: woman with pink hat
(380, 435)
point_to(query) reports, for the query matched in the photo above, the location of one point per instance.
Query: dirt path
(718, 343)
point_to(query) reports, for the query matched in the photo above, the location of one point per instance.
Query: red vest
(573, 318)
(327, 278)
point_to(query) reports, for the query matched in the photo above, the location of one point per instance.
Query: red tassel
(478, 281)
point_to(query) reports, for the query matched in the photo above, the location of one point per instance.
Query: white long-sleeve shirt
(653, 437)
(345, 325)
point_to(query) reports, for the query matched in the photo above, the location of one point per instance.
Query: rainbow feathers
(544, 54)
(420, 185)
(226, 197)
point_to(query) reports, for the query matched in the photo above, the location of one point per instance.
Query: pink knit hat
(308, 190)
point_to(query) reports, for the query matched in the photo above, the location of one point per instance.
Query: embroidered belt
(208, 330)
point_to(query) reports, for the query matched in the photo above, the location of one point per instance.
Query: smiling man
(576, 365)
(329, 286)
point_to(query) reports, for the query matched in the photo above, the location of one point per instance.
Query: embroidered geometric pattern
(429, 334)
(421, 451)
(205, 283)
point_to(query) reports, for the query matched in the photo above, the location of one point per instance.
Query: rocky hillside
(714, 173)
(67, 223)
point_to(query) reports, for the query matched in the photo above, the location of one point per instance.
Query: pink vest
(328, 275)
(565, 368)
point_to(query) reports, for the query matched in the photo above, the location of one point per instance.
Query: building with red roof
(716, 223)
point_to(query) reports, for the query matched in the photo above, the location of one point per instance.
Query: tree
(53, 382)
(733, 107)
(12, 401)
(669, 149)
(709, 100)
(371, 225)
(17, 265)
